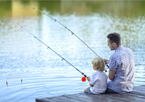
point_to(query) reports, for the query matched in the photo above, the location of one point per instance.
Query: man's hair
(114, 38)
(98, 64)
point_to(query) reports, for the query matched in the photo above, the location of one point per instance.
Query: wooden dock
(137, 95)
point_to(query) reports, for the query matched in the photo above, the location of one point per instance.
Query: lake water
(43, 73)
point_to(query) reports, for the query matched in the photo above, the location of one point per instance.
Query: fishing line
(67, 29)
(48, 47)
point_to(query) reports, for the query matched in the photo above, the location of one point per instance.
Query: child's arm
(89, 79)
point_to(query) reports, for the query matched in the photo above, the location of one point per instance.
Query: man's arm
(111, 74)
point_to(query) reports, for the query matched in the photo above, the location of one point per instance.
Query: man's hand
(106, 61)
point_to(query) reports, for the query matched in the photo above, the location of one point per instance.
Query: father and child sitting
(121, 70)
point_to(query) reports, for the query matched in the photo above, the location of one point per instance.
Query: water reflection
(5, 8)
(114, 8)
(22, 56)
(18, 10)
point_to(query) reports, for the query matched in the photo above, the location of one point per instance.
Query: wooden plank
(78, 98)
(138, 95)
(126, 97)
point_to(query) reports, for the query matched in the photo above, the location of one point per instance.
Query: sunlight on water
(43, 73)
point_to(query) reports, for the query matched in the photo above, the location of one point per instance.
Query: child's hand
(89, 79)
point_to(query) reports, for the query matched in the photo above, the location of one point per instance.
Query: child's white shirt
(99, 80)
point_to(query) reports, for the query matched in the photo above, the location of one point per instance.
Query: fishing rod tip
(21, 80)
(6, 83)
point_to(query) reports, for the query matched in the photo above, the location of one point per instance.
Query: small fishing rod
(48, 47)
(67, 29)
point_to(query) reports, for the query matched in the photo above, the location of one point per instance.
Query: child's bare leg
(85, 91)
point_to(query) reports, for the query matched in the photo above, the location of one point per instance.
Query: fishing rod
(48, 47)
(67, 29)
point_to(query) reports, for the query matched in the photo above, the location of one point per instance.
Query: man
(121, 66)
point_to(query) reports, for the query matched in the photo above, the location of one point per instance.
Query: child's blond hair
(98, 64)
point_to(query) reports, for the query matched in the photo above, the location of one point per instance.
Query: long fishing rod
(48, 47)
(67, 29)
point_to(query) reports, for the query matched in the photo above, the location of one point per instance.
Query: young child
(98, 82)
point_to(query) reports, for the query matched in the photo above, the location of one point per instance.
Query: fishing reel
(83, 79)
